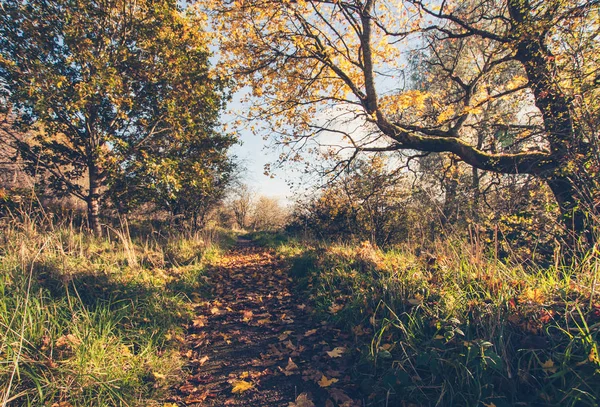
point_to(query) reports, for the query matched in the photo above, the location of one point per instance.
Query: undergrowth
(458, 326)
(95, 321)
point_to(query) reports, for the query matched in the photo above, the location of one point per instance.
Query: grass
(458, 326)
(95, 322)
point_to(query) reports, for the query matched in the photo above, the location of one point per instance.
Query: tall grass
(94, 321)
(458, 326)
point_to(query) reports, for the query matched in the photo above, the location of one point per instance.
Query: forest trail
(255, 344)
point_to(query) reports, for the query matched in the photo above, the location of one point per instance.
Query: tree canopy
(111, 89)
(509, 86)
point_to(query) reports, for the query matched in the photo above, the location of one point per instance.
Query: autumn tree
(310, 58)
(268, 214)
(186, 176)
(241, 204)
(101, 85)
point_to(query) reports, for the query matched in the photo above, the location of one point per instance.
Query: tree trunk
(93, 201)
(476, 194)
(579, 226)
(450, 205)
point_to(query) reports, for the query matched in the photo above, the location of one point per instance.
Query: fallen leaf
(337, 352)
(325, 382)
(340, 397)
(284, 335)
(359, 330)
(215, 311)
(549, 367)
(199, 321)
(240, 386)
(203, 360)
(311, 332)
(335, 308)
(196, 398)
(158, 376)
(67, 341)
(290, 369)
(302, 401)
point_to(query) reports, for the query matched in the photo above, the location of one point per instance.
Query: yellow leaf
(549, 367)
(158, 376)
(593, 356)
(337, 352)
(241, 386)
(325, 382)
(534, 295)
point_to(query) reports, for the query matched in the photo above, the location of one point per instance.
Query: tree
(241, 205)
(268, 214)
(187, 177)
(366, 202)
(538, 58)
(101, 85)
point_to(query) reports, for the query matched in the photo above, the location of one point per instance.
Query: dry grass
(92, 322)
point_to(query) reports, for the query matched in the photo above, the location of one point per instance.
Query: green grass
(266, 239)
(95, 322)
(463, 329)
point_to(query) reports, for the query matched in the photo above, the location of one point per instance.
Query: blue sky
(253, 152)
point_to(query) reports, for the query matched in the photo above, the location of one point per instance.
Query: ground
(254, 343)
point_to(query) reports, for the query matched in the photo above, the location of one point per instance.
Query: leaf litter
(254, 342)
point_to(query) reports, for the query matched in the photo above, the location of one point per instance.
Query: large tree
(99, 84)
(316, 64)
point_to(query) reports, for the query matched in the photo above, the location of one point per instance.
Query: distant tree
(105, 85)
(367, 202)
(187, 177)
(268, 214)
(242, 201)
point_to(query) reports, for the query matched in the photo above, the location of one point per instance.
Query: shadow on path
(254, 343)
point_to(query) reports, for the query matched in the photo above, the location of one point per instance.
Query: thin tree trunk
(579, 227)
(93, 201)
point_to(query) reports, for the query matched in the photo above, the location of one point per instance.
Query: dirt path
(254, 343)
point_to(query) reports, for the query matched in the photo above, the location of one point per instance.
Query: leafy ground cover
(457, 327)
(254, 341)
(95, 322)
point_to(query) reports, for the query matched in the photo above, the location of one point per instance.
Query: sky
(253, 153)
